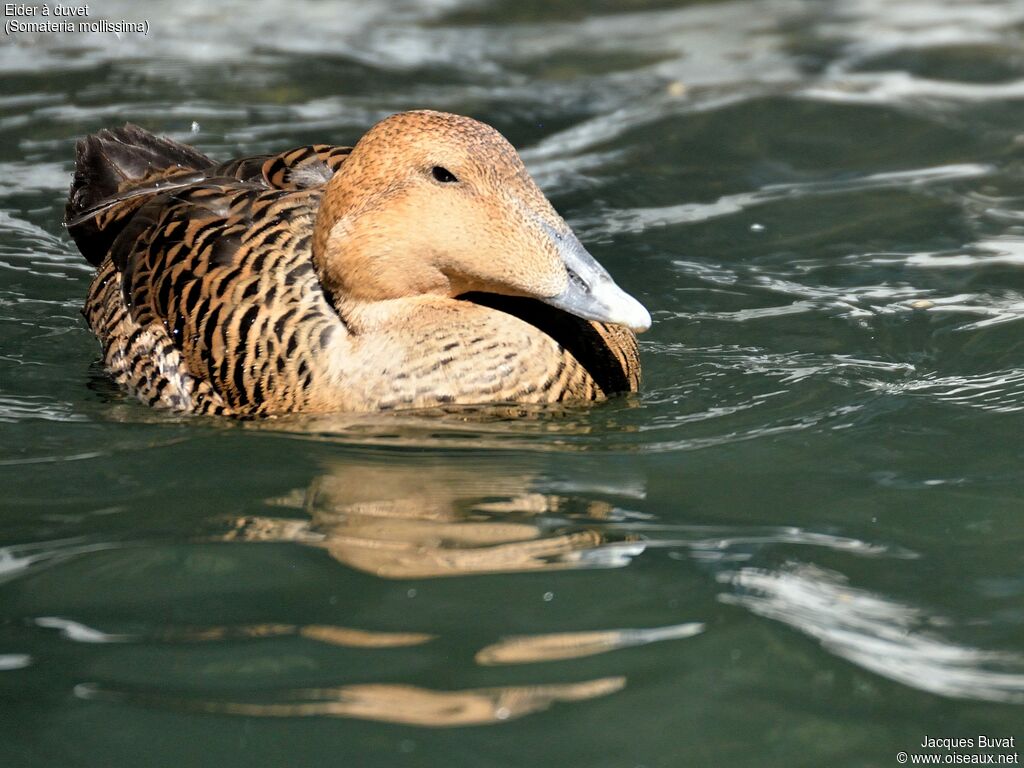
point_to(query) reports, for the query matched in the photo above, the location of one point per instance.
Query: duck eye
(443, 175)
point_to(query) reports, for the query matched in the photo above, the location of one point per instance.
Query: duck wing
(119, 170)
(205, 298)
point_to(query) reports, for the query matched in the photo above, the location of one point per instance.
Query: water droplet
(549, 596)
(195, 127)
(502, 713)
(411, 593)
(757, 227)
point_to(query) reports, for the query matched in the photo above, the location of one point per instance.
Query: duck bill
(591, 293)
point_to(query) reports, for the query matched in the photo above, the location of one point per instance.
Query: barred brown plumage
(330, 278)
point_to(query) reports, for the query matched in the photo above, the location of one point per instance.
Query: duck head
(434, 203)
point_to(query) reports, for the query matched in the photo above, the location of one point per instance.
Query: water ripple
(9, 661)
(998, 391)
(879, 634)
(640, 219)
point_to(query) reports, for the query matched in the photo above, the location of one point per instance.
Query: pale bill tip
(621, 308)
(638, 319)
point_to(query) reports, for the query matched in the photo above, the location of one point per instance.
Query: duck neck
(360, 260)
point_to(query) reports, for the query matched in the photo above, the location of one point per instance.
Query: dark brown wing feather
(208, 301)
(119, 170)
(225, 270)
(108, 165)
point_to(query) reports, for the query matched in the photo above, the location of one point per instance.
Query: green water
(819, 490)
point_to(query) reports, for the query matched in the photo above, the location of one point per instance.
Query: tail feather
(108, 166)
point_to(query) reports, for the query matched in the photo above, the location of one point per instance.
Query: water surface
(800, 545)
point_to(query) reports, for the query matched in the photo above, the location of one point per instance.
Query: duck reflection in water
(433, 517)
(449, 517)
(405, 704)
